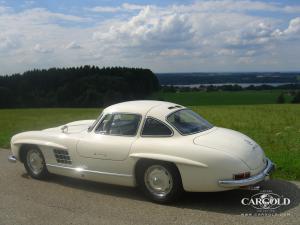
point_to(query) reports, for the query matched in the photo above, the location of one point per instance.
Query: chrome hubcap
(35, 161)
(158, 180)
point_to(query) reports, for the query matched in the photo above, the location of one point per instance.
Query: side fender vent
(62, 156)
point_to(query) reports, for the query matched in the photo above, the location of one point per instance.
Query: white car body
(206, 160)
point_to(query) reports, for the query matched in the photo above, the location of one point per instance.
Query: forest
(85, 86)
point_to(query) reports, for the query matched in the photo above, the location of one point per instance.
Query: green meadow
(276, 127)
(222, 97)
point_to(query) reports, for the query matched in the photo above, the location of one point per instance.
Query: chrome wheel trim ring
(35, 161)
(158, 180)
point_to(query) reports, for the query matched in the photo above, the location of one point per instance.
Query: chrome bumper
(251, 180)
(12, 159)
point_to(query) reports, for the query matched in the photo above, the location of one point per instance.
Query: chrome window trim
(150, 117)
(114, 113)
(166, 118)
(90, 129)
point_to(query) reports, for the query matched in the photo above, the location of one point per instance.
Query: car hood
(233, 143)
(73, 127)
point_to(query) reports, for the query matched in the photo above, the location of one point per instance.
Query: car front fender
(15, 145)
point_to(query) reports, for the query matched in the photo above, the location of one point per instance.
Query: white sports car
(161, 147)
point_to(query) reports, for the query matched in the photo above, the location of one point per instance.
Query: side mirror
(64, 129)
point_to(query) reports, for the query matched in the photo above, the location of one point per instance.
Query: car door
(112, 137)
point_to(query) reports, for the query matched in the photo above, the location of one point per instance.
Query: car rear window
(154, 127)
(188, 122)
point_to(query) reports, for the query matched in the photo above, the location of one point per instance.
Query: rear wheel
(35, 163)
(160, 181)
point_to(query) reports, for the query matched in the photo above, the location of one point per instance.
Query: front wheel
(35, 163)
(160, 181)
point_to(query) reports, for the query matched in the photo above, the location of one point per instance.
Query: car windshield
(188, 122)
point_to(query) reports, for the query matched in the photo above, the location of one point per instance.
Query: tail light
(241, 176)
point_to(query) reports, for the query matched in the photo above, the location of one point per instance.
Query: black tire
(40, 174)
(174, 192)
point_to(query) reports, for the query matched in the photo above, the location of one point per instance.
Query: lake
(221, 84)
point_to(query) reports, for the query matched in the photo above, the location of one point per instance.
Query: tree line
(229, 87)
(219, 78)
(287, 89)
(85, 86)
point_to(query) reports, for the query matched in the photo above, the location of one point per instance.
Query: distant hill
(220, 78)
(86, 86)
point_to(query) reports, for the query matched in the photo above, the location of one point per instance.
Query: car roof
(143, 107)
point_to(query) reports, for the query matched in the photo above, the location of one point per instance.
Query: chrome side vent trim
(62, 156)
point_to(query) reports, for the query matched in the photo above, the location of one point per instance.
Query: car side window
(154, 127)
(119, 124)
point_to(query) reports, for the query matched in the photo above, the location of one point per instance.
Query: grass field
(13, 121)
(221, 97)
(275, 127)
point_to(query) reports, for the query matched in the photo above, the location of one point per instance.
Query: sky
(164, 36)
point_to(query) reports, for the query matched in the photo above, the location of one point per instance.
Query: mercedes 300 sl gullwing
(161, 147)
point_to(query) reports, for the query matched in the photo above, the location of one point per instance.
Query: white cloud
(294, 27)
(105, 9)
(291, 32)
(226, 52)
(205, 35)
(4, 9)
(208, 6)
(9, 41)
(149, 29)
(29, 2)
(245, 60)
(40, 15)
(73, 45)
(129, 6)
(250, 52)
(237, 6)
(174, 52)
(38, 48)
(291, 9)
(125, 7)
(203, 30)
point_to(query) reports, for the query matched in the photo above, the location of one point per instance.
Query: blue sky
(165, 36)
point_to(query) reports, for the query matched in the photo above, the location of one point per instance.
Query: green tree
(84, 86)
(280, 98)
(6, 97)
(296, 98)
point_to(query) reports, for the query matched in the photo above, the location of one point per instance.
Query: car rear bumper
(251, 180)
(12, 159)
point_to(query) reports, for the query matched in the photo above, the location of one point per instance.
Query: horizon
(221, 36)
(192, 72)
